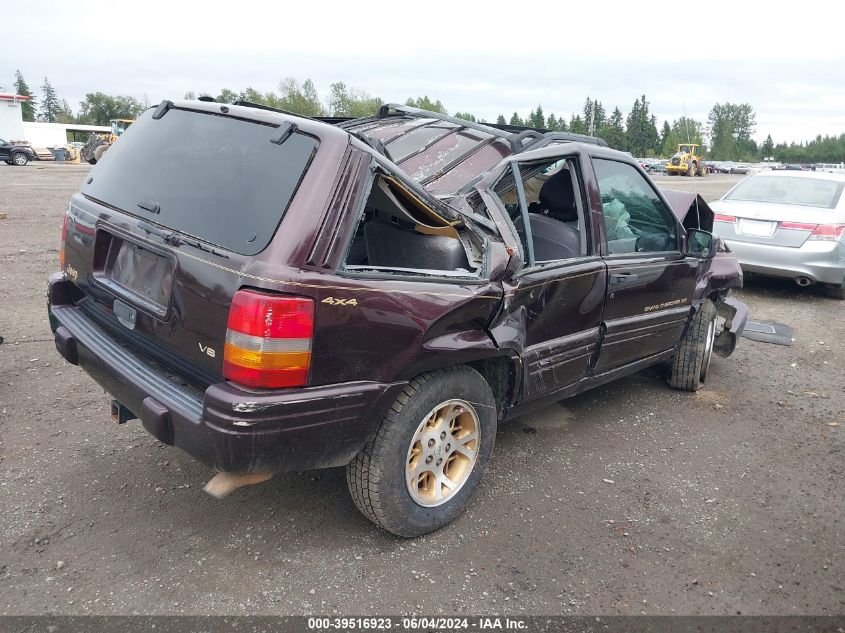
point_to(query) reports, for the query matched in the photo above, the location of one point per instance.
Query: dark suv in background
(271, 293)
(16, 154)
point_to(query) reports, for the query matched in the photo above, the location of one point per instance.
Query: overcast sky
(786, 60)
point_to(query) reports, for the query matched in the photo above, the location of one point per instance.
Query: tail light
(820, 232)
(718, 217)
(268, 340)
(828, 232)
(798, 226)
(62, 244)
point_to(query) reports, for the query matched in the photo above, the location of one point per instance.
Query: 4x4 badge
(335, 301)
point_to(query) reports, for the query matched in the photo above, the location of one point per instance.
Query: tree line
(729, 127)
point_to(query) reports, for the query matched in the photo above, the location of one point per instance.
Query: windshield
(810, 192)
(213, 177)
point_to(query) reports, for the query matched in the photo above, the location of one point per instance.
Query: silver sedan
(787, 224)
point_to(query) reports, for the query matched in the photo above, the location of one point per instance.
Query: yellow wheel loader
(97, 144)
(687, 161)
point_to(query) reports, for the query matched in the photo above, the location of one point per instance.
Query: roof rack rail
(520, 138)
(515, 135)
(261, 106)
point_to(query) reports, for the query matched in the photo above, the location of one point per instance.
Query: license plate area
(756, 228)
(140, 275)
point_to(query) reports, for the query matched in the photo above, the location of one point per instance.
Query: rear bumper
(821, 262)
(225, 427)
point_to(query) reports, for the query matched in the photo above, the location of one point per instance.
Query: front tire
(20, 159)
(691, 170)
(692, 357)
(423, 465)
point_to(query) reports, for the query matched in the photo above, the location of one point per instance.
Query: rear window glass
(811, 192)
(213, 177)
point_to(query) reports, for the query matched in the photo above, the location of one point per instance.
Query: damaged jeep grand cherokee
(273, 293)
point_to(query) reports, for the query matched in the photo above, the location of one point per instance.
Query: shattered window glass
(442, 153)
(414, 141)
(468, 170)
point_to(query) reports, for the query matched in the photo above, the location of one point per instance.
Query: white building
(38, 133)
(41, 134)
(11, 116)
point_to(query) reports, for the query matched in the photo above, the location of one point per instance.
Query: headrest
(558, 196)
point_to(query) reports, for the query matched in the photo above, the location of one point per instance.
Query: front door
(553, 304)
(650, 281)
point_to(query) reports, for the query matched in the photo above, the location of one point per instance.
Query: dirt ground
(629, 499)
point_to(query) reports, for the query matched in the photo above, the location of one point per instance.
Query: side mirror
(700, 244)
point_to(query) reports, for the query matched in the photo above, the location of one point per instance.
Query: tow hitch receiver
(120, 414)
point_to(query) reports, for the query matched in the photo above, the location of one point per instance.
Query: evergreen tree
(500, 120)
(613, 131)
(594, 113)
(22, 88)
(577, 125)
(665, 134)
(641, 134)
(551, 122)
(466, 116)
(50, 104)
(538, 119)
(768, 148)
(515, 120)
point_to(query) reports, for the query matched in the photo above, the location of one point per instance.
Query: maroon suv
(273, 293)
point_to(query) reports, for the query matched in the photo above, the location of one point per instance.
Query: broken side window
(551, 226)
(398, 232)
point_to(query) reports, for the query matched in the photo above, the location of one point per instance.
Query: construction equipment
(687, 161)
(97, 144)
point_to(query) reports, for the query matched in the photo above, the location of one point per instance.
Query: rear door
(650, 282)
(170, 223)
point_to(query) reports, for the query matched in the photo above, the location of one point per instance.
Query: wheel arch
(501, 369)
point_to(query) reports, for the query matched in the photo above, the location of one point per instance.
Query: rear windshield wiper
(173, 238)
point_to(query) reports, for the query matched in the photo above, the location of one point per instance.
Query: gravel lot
(629, 499)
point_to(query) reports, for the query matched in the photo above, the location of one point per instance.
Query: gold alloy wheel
(442, 453)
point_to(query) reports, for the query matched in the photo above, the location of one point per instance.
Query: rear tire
(691, 170)
(702, 171)
(836, 292)
(692, 357)
(398, 480)
(19, 159)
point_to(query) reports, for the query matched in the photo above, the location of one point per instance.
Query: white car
(787, 224)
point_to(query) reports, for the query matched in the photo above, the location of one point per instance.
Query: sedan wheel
(20, 159)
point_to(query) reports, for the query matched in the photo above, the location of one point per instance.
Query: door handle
(623, 278)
